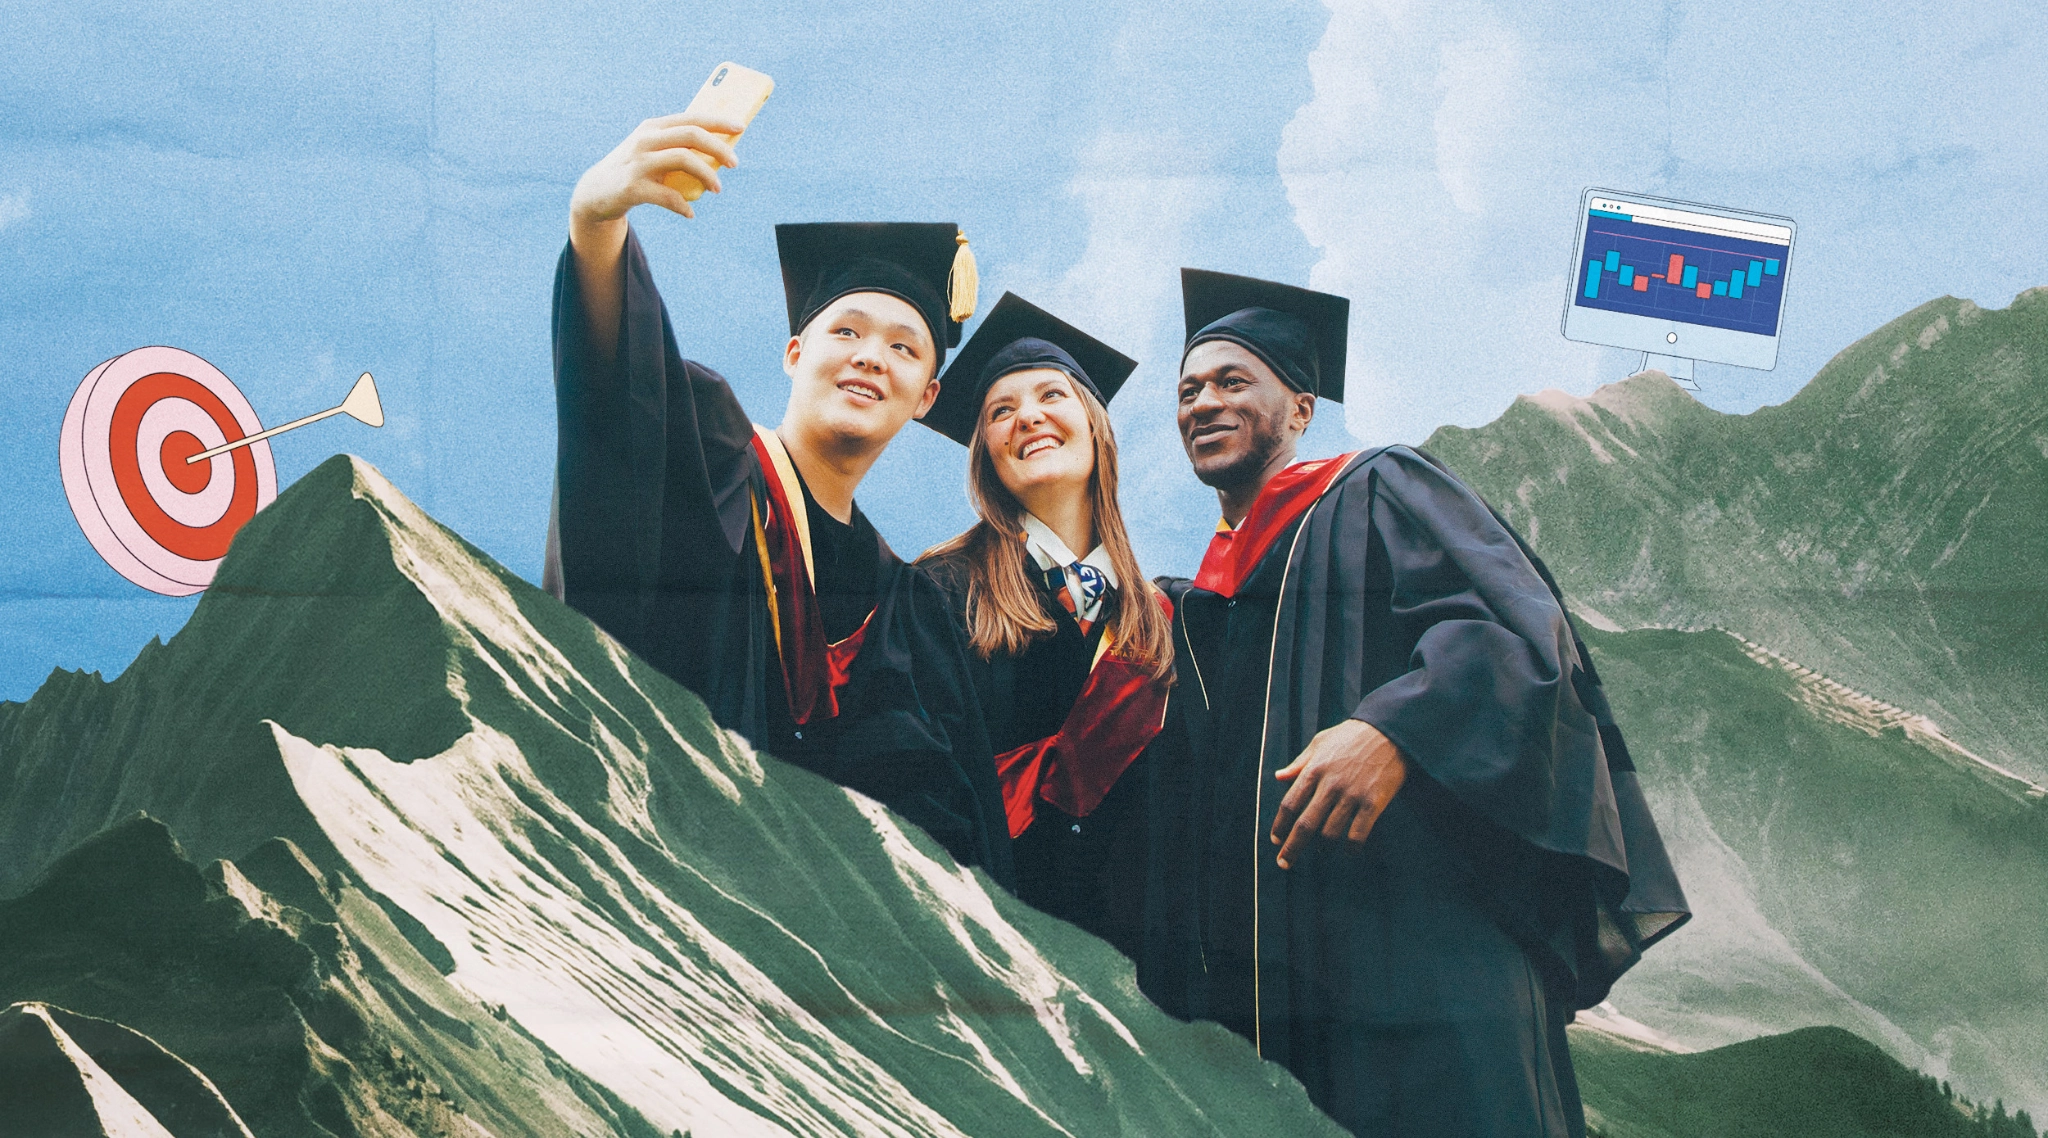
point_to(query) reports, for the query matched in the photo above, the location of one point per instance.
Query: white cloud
(1417, 170)
(13, 208)
(1143, 205)
(1139, 200)
(1480, 81)
(1438, 166)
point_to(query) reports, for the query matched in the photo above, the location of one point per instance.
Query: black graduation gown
(1417, 984)
(1089, 871)
(657, 485)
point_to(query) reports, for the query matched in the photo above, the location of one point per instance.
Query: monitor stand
(1677, 367)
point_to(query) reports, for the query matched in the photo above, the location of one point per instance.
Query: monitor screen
(1679, 279)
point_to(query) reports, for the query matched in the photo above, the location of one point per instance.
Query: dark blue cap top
(822, 262)
(1299, 333)
(1017, 336)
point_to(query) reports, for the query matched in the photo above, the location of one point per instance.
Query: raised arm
(632, 175)
(651, 450)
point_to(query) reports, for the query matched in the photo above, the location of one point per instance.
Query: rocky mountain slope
(483, 868)
(64, 1073)
(1845, 866)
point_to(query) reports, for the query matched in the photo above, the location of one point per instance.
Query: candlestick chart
(1673, 273)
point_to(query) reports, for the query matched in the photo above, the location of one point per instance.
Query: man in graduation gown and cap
(1406, 842)
(732, 557)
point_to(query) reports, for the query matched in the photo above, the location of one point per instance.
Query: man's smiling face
(1235, 414)
(862, 367)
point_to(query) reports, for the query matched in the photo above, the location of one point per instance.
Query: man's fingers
(664, 162)
(1294, 768)
(1338, 822)
(718, 124)
(670, 199)
(1290, 806)
(1296, 839)
(708, 140)
(1309, 824)
(1362, 822)
(681, 118)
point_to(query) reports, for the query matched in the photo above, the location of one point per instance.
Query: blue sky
(302, 192)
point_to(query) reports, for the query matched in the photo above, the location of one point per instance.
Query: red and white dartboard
(160, 521)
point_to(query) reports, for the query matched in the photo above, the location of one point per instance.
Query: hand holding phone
(733, 94)
(667, 161)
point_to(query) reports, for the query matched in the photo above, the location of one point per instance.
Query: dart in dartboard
(164, 460)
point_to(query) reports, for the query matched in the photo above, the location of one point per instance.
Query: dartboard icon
(161, 521)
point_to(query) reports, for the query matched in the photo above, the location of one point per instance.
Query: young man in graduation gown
(732, 557)
(1406, 843)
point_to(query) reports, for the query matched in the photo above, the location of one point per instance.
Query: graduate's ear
(925, 401)
(792, 352)
(1304, 411)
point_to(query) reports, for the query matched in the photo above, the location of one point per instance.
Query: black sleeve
(916, 739)
(1486, 707)
(652, 466)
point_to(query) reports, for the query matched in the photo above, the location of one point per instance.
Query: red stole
(1234, 553)
(813, 670)
(1119, 710)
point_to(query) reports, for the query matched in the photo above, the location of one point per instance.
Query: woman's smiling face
(1037, 432)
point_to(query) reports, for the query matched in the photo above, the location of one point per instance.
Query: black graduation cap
(1298, 333)
(928, 266)
(1016, 335)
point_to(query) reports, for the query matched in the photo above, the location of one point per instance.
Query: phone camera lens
(718, 78)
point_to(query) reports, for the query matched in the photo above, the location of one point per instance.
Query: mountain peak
(1644, 399)
(1612, 423)
(325, 533)
(132, 877)
(342, 584)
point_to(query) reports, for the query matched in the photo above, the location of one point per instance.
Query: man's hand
(1342, 781)
(632, 175)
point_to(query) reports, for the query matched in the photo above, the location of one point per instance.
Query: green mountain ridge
(308, 1022)
(1840, 726)
(1883, 526)
(66, 1074)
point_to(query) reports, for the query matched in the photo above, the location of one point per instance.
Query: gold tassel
(963, 284)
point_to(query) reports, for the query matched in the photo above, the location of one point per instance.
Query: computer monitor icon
(1679, 281)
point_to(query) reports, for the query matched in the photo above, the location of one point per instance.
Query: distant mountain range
(1836, 686)
(1817, 1082)
(424, 851)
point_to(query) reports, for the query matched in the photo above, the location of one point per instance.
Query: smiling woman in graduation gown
(1071, 652)
(686, 533)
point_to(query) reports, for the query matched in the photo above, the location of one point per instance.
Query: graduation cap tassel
(963, 283)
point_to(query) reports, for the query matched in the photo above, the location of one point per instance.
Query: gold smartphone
(732, 92)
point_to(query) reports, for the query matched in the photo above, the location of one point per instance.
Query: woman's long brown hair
(1003, 611)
